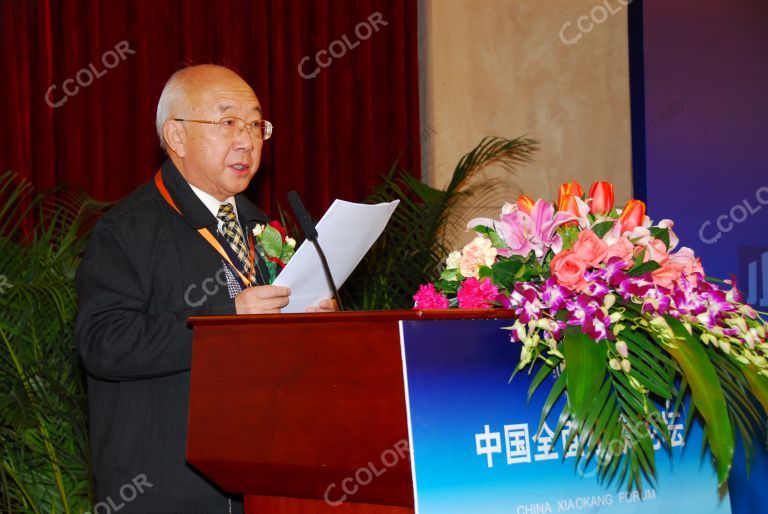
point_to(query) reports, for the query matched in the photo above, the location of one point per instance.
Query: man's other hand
(262, 300)
(327, 305)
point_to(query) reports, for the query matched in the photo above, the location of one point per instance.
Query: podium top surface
(353, 316)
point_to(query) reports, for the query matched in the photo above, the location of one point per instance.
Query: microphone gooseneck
(310, 232)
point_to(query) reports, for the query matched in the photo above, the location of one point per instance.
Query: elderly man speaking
(190, 223)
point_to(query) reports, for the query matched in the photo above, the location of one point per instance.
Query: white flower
(257, 230)
(673, 239)
(290, 242)
(519, 330)
(622, 348)
(453, 261)
(663, 329)
(508, 208)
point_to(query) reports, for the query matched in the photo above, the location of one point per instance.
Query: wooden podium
(305, 413)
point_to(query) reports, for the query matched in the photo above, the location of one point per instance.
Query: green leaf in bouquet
(585, 371)
(706, 395)
(485, 272)
(287, 253)
(545, 370)
(638, 259)
(602, 228)
(450, 275)
(449, 287)
(272, 268)
(758, 384)
(271, 241)
(496, 239)
(604, 408)
(661, 234)
(531, 270)
(505, 271)
(569, 236)
(744, 410)
(643, 268)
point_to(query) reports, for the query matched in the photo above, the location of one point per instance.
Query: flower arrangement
(274, 245)
(604, 299)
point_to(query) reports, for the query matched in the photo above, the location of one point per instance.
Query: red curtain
(82, 79)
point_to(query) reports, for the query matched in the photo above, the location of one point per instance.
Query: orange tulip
(632, 215)
(601, 194)
(525, 204)
(568, 204)
(569, 188)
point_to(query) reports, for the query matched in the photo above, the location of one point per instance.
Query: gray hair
(172, 95)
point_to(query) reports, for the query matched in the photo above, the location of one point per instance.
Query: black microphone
(308, 227)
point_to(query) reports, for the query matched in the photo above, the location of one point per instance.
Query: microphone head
(304, 219)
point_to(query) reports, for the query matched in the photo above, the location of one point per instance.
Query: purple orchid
(657, 301)
(554, 295)
(581, 309)
(596, 288)
(614, 271)
(526, 298)
(598, 326)
(635, 286)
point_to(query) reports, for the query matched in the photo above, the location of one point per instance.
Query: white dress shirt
(213, 204)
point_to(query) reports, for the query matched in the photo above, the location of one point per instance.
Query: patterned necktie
(233, 233)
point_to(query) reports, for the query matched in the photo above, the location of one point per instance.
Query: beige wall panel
(501, 67)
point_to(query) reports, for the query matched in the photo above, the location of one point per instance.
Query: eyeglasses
(232, 126)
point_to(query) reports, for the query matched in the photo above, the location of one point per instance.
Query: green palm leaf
(411, 249)
(706, 394)
(44, 456)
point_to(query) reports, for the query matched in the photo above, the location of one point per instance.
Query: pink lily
(524, 233)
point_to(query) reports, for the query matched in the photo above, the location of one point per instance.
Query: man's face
(221, 162)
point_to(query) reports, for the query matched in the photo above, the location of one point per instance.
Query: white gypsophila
(257, 230)
(290, 242)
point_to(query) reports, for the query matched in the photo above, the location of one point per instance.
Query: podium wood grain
(286, 408)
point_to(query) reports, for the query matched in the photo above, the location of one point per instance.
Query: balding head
(183, 90)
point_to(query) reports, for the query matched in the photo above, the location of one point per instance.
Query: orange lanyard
(205, 232)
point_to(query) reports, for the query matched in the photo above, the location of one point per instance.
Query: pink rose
(622, 248)
(590, 248)
(668, 274)
(655, 250)
(568, 269)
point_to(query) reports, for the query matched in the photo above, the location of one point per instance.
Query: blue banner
(475, 447)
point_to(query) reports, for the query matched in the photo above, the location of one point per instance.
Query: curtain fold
(82, 80)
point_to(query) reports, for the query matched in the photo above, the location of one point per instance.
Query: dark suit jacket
(146, 269)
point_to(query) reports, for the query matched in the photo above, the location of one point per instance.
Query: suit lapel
(198, 215)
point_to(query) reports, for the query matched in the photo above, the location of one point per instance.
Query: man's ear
(175, 137)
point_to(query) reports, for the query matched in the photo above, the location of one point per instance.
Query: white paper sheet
(346, 233)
